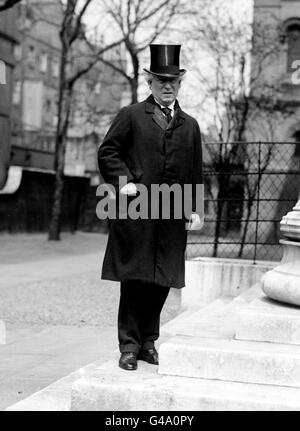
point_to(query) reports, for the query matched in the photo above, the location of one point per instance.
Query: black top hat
(165, 61)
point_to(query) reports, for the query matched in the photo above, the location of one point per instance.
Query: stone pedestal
(283, 282)
(210, 278)
(290, 224)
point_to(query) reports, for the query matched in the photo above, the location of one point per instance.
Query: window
(26, 17)
(55, 67)
(43, 62)
(31, 57)
(97, 88)
(293, 40)
(31, 52)
(16, 98)
(2, 72)
(18, 52)
(54, 120)
(48, 106)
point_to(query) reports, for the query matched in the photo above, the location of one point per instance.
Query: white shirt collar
(171, 106)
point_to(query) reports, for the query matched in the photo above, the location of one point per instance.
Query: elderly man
(152, 142)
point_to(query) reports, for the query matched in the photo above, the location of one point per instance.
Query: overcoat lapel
(159, 118)
(178, 118)
(157, 115)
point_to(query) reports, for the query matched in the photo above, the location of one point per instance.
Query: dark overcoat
(141, 146)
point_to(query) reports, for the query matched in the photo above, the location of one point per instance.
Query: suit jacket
(141, 146)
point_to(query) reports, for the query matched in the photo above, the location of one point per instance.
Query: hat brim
(167, 75)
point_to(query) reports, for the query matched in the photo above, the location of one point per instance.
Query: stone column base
(283, 282)
(210, 278)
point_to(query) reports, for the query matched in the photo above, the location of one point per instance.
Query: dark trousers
(139, 314)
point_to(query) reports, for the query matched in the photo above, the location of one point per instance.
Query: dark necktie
(167, 112)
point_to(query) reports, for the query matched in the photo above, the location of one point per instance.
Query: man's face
(164, 90)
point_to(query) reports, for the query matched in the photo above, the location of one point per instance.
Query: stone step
(231, 360)
(183, 321)
(108, 388)
(216, 320)
(55, 397)
(267, 320)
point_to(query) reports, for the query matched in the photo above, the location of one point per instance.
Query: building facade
(8, 42)
(275, 68)
(26, 206)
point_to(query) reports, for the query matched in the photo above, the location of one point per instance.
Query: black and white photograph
(149, 209)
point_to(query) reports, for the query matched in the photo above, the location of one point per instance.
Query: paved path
(59, 314)
(35, 357)
(30, 272)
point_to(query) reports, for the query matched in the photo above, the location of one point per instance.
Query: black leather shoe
(149, 355)
(128, 361)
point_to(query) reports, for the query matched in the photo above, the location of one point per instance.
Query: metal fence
(249, 187)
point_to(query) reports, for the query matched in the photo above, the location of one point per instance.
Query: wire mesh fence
(249, 187)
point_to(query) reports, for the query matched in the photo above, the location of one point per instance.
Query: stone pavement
(35, 356)
(59, 314)
(57, 395)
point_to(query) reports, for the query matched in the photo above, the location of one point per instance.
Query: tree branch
(78, 21)
(97, 58)
(116, 68)
(8, 4)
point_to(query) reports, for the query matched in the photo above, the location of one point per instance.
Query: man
(152, 142)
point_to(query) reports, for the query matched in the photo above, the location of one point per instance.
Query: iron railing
(249, 187)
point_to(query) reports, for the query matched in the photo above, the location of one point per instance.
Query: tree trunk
(54, 228)
(245, 229)
(134, 90)
(134, 82)
(220, 204)
(64, 104)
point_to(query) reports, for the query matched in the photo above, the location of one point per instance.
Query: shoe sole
(141, 358)
(127, 369)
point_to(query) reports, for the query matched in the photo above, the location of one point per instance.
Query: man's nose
(168, 84)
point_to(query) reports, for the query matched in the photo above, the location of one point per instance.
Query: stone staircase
(233, 354)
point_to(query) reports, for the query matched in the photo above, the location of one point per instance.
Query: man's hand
(129, 189)
(195, 222)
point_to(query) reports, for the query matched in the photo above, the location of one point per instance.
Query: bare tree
(235, 93)
(140, 23)
(7, 4)
(71, 31)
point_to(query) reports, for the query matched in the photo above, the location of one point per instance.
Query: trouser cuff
(135, 348)
(148, 345)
